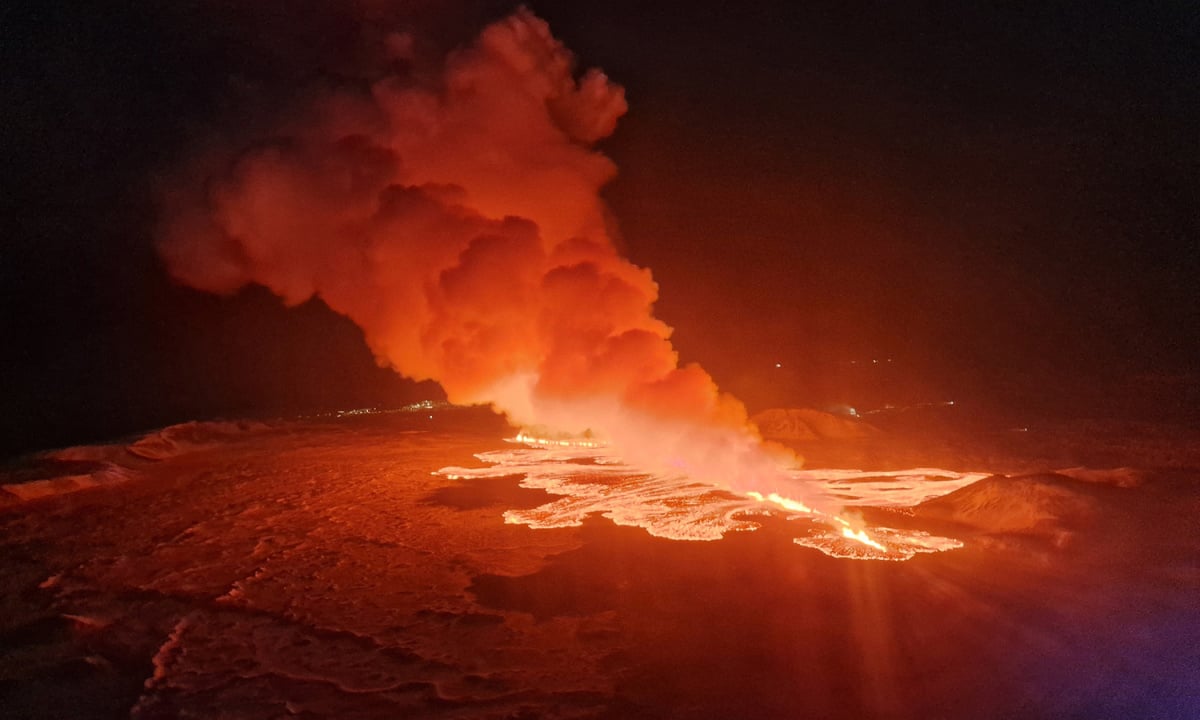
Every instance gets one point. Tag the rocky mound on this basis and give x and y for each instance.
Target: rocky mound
(52, 477)
(1036, 504)
(69, 470)
(1125, 477)
(805, 424)
(190, 436)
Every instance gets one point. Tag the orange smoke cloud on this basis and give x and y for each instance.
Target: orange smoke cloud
(455, 216)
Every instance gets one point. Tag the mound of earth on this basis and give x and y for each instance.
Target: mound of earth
(1036, 504)
(69, 470)
(1125, 477)
(189, 437)
(58, 477)
(803, 424)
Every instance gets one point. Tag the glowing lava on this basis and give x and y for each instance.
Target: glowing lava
(562, 442)
(848, 532)
(860, 536)
(586, 476)
(797, 506)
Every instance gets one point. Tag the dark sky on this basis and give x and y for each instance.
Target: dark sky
(1002, 202)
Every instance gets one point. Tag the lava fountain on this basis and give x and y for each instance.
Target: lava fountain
(450, 207)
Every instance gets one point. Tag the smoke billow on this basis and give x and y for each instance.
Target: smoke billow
(453, 212)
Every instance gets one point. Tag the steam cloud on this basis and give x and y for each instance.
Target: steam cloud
(455, 216)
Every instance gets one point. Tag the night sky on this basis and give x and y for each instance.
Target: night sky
(999, 206)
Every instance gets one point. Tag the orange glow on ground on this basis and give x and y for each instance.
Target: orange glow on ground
(587, 476)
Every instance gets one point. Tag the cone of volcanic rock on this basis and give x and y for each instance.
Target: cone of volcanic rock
(805, 424)
(1031, 504)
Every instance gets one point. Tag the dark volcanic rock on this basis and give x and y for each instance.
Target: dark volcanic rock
(805, 424)
(1039, 504)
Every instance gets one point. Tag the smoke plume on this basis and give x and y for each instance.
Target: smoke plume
(453, 212)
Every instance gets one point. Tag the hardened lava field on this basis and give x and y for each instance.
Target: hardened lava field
(322, 569)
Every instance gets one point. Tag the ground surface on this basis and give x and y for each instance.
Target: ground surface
(318, 569)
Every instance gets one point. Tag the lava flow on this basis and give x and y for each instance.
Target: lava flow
(589, 476)
(847, 530)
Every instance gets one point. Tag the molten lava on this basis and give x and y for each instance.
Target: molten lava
(588, 476)
(860, 536)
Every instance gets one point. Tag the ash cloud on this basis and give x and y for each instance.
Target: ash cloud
(451, 208)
